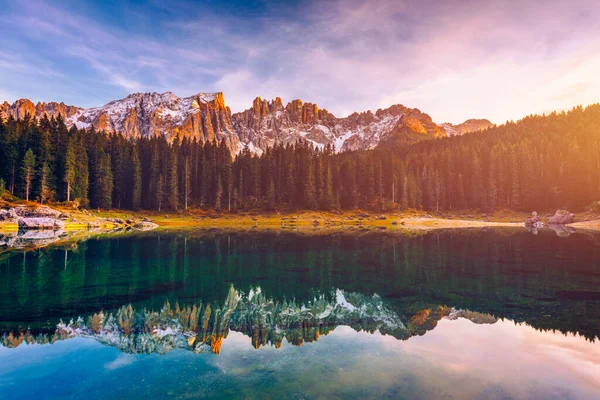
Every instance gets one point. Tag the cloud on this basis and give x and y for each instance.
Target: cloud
(121, 361)
(452, 59)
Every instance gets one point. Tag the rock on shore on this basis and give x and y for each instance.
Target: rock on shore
(562, 217)
(41, 223)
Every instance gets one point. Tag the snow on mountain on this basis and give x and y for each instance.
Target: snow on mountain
(205, 117)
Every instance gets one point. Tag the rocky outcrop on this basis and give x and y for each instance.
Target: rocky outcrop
(470, 125)
(561, 217)
(205, 117)
(269, 123)
(41, 223)
(23, 107)
(37, 217)
(9, 215)
(36, 212)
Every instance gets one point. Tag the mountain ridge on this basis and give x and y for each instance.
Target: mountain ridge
(206, 117)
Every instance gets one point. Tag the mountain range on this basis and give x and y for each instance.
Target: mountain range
(205, 117)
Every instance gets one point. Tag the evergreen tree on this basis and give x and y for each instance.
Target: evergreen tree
(28, 171)
(136, 188)
(310, 196)
(173, 191)
(187, 189)
(46, 187)
(70, 167)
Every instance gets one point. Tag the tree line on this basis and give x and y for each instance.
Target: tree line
(539, 162)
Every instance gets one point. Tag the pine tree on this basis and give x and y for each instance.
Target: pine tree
(46, 189)
(104, 182)
(310, 196)
(173, 191)
(160, 192)
(219, 194)
(80, 186)
(271, 193)
(186, 182)
(70, 167)
(328, 198)
(515, 198)
(136, 168)
(28, 171)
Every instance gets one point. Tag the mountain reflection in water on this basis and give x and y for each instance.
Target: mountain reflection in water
(202, 327)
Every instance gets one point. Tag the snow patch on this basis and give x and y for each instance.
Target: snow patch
(341, 300)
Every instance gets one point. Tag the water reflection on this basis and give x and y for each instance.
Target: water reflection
(342, 316)
(202, 327)
(547, 281)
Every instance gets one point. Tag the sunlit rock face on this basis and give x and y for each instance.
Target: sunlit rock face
(205, 117)
(269, 123)
(23, 107)
(470, 125)
(202, 327)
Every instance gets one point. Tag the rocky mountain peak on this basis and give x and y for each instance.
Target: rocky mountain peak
(206, 117)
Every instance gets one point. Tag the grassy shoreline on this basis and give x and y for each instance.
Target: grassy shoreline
(355, 219)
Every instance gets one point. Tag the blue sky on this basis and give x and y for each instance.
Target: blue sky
(452, 59)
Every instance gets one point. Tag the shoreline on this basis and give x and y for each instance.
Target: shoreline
(82, 220)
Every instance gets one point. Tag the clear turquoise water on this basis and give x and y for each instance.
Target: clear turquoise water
(486, 314)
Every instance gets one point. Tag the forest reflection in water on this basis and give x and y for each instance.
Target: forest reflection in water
(547, 281)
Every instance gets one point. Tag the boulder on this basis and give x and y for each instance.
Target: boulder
(8, 215)
(561, 217)
(116, 221)
(41, 223)
(36, 212)
(534, 221)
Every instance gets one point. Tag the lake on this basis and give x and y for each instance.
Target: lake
(465, 314)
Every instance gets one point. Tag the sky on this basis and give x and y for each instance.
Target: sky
(453, 59)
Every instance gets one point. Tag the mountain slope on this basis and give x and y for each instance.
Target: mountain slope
(205, 117)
